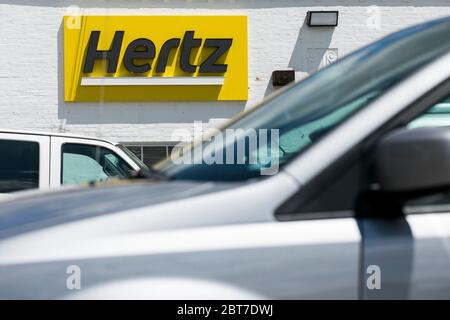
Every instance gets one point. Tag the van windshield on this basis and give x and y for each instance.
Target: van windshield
(298, 117)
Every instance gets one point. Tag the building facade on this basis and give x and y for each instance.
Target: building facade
(32, 61)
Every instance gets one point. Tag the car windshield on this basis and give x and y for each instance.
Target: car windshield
(296, 119)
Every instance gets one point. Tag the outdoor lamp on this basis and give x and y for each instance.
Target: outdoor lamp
(322, 18)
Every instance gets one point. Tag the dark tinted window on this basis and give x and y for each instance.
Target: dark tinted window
(19, 165)
(150, 155)
(154, 154)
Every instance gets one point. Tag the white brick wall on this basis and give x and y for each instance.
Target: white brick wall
(31, 75)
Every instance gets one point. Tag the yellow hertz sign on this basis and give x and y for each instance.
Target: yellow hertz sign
(155, 58)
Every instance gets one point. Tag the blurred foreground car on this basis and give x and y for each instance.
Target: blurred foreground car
(44, 160)
(359, 208)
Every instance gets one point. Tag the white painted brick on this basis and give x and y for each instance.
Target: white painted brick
(31, 59)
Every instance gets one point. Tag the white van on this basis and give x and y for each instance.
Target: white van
(45, 160)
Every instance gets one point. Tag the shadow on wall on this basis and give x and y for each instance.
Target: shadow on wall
(137, 112)
(311, 49)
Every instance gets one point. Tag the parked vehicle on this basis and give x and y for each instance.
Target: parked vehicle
(44, 160)
(359, 208)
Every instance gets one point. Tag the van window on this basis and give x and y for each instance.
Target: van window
(82, 163)
(19, 165)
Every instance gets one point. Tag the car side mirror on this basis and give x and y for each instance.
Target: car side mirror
(409, 163)
(414, 160)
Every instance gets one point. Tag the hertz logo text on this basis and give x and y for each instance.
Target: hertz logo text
(156, 58)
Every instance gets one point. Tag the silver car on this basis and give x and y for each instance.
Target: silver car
(348, 198)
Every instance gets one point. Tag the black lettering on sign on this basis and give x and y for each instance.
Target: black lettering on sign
(210, 65)
(112, 55)
(164, 54)
(144, 49)
(189, 42)
(132, 53)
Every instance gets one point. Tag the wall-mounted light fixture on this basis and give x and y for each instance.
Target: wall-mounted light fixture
(322, 18)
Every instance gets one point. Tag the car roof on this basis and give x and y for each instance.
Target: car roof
(55, 134)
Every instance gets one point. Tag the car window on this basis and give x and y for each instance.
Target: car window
(343, 187)
(310, 109)
(437, 116)
(87, 163)
(19, 165)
